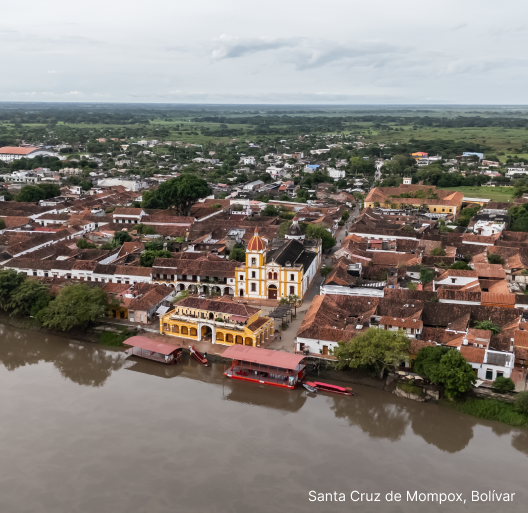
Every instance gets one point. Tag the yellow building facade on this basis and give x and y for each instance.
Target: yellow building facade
(218, 322)
(289, 270)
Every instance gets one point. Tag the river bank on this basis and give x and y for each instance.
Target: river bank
(482, 404)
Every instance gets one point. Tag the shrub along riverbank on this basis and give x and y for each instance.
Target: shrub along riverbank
(489, 409)
(113, 338)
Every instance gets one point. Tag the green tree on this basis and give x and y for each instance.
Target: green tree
(120, 238)
(426, 276)
(520, 225)
(269, 211)
(373, 350)
(438, 251)
(84, 244)
(9, 281)
(446, 367)
(461, 265)
(502, 384)
(155, 245)
(75, 305)
(345, 216)
(495, 259)
(145, 229)
(314, 231)
(147, 258)
(290, 300)
(326, 270)
(2, 224)
(488, 325)
(180, 193)
(427, 359)
(238, 253)
(30, 194)
(29, 298)
(51, 190)
(521, 402)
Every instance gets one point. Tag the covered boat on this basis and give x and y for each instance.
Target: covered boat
(150, 349)
(275, 368)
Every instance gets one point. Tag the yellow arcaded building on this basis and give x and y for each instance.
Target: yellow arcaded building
(221, 322)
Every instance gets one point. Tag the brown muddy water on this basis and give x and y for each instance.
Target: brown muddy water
(84, 430)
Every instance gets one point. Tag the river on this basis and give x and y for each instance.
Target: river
(84, 430)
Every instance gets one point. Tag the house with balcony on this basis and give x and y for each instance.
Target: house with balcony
(196, 273)
(221, 322)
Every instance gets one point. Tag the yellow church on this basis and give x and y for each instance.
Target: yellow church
(279, 268)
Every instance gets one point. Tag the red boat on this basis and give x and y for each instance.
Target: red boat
(326, 387)
(199, 357)
(265, 366)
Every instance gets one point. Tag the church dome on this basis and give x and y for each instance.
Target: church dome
(256, 243)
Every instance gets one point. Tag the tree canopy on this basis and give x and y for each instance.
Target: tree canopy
(34, 193)
(84, 244)
(502, 384)
(488, 325)
(238, 253)
(9, 281)
(270, 211)
(76, 305)
(180, 193)
(446, 367)
(314, 231)
(375, 350)
(29, 298)
(426, 276)
(461, 265)
(120, 238)
(147, 258)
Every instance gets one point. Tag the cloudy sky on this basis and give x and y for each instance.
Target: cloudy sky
(276, 51)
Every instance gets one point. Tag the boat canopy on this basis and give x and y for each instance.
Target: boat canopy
(151, 345)
(263, 356)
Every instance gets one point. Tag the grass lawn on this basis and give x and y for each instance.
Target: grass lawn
(500, 139)
(501, 194)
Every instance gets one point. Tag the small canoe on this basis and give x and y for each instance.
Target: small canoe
(199, 357)
(310, 388)
(334, 389)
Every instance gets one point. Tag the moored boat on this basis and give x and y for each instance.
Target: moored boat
(149, 349)
(326, 387)
(265, 366)
(310, 388)
(199, 357)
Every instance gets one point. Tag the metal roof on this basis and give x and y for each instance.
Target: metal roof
(150, 345)
(263, 356)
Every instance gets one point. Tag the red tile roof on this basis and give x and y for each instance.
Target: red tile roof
(473, 354)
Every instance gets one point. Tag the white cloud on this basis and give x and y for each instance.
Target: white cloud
(306, 53)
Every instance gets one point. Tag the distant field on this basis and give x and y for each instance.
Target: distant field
(501, 139)
(501, 194)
